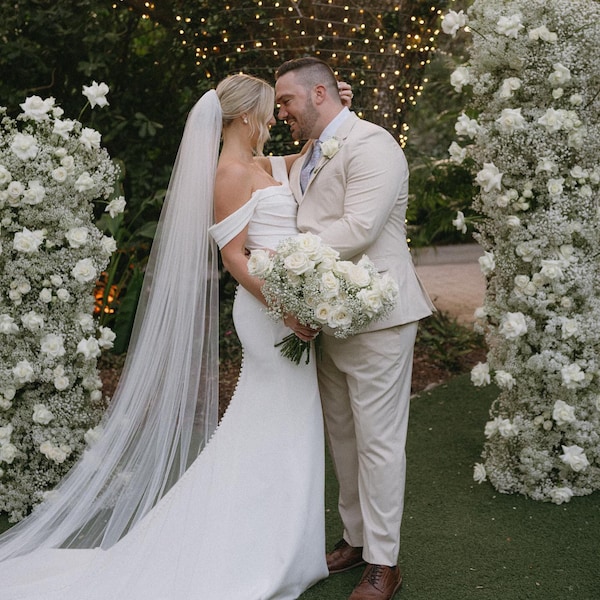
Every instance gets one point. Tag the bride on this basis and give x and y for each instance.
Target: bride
(142, 515)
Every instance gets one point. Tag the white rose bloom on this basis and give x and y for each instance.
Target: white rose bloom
(480, 374)
(526, 251)
(28, 241)
(36, 109)
(552, 120)
(459, 222)
(339, 317)
(576, 138)
(555, 187)
(510, 26)
(32, 321)
(545, 165)
(84, 271)
(507, 429)
(63, 295)
(41, 414)
(8, 325)
(388, 287)
(15, 190)
(96, 396)
(45, 295)
(109, 244)
(358, 275)
(466, 126)
(543, 33)
(509, 87)
(8, 453)
(575, 457)
(576, 99)
(513, 221)
(513, 325)
(68, 162)
(84, 182)
(510, 120)
(504, 380)
(489, 178)
(5, 176)
(24, 146)
(479, 474)
(459, 78)
(521, 281)
(34, 194)
(52, 345)
(572, 375)
(90, 138)
(487, 263)
(5, 433)
(77, 237)
(330, 147)
(569, 327)
(560, 495)
(115, 207)
(60, 174)
(96, 94)
(557, 93)
(563, 413)
(260, 263)
(371, 300)
(322, 312)
(457, 153)
(55, 453)
(329, 285)
(551, 269)
(90, 348)
(86, 322)
(61, 382)
(560, 75)
(309, 244)
(298, 263)
(23, 371)
(453, 21)
(107, 337)
(63, 128)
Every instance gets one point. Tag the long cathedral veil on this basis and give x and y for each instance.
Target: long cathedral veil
(165, 407)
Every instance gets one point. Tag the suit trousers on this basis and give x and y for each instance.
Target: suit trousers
(365, 383)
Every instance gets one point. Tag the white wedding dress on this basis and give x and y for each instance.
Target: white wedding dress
(246, 521)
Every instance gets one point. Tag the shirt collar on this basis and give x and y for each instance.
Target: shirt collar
(334, 125)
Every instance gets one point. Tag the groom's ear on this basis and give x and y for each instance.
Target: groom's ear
(320, 93)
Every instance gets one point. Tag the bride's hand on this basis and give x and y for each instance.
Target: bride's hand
(345, 91)
(304, 332)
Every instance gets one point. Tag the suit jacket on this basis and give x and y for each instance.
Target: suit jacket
(356, 202)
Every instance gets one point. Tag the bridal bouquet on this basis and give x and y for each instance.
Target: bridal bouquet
(306, 278)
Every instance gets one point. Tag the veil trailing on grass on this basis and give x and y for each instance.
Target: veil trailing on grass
(166, 404)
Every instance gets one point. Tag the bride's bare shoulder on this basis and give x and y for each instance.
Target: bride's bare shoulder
(233, 188)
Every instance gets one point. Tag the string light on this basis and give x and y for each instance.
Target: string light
(381, 51)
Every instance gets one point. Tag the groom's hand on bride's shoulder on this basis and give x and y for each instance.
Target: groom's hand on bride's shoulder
(345, 91)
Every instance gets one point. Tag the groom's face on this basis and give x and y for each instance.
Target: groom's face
(296, 107)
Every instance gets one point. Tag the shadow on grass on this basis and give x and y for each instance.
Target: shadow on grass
(462, 540)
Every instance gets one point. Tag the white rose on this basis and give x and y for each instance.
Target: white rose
(8, 325)
(479, 474)
(330, 147)
(107, 337)
(45, 295)
(84, 271)
(115, 207)
(90, 348)
(459, 222)
(60, 174)
(509, 26)
(557, 93)
(563, 413)
(34, 194)
(542, 33)
(24, 146)
(572, 375)
(90, 138)
(36, 109)
(509, 87)
(457, 153)
(53, 345)
(32, 321)
(109, 244)
(504, 380)
(555, 187)
(310, 244)
(68, 162)
(507, 429)
(8, 453)
(513, 221)
(55, 453)
(5, 433)
(576, 99)
(5, 176)
(575, 457)
(61, 382)
(560, 495)
(41, 414)
(510, 120)
(569, 327)
(487, 263)
(560, 75)
(84, 182)
(77, 237)
(322, 312)
(28, 241)
(489, 178)
(329, 285)
(551, 269)
(23, 371)
(545, 165)
(340, 317)
(388, 287)
(358, 275)
(466, 126)
(298, 263)
(96, 94)
(63, 128)
(15, 190)
(63, 295)
(552, 120)
(96, 396)
(371, 300)
(513, 325)
(527, 251)
(480, 374)
(453, 21)
(86, 322)
(459, 78)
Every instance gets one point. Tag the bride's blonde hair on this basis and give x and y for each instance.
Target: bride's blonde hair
(244, 94)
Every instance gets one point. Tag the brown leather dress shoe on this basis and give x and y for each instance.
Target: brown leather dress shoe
(378, 583)
(344, 557)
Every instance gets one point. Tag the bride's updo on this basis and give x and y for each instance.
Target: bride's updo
(244, 94)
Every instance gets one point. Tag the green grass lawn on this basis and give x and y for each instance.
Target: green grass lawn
(462, 540)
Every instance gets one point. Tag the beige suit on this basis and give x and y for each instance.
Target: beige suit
(356, 202)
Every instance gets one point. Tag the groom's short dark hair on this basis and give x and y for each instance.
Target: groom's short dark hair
(313, 71)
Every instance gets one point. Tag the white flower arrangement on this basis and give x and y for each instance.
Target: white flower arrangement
(305, 277)
(52, 171)
(532, 136)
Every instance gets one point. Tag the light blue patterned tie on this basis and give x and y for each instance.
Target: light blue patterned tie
(310, 165)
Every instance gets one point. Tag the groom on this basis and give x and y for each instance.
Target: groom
(352, 189)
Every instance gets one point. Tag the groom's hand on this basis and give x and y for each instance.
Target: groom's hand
(304, 332)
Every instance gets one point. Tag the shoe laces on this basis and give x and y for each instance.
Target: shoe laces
(373, 575)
